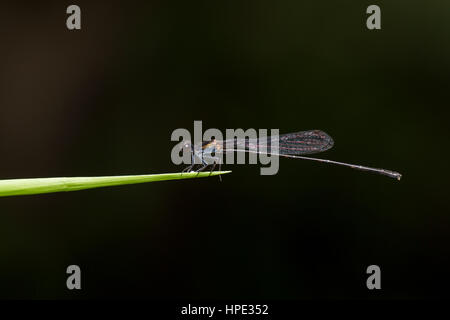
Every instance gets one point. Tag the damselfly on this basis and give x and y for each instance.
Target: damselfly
(291, 145)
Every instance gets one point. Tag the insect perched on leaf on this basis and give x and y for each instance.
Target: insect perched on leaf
(290, 145)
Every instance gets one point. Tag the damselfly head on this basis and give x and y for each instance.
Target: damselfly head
(185, 145)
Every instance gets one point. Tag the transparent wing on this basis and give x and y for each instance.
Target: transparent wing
(305, 142)
(297, 143)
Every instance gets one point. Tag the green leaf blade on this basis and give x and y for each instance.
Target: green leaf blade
(19, 187)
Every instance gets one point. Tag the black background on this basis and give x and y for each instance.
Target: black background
(104, 101)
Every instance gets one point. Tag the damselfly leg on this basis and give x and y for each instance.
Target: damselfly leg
(189, 169)
(215, 162)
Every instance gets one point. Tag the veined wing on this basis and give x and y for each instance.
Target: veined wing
(297, 143)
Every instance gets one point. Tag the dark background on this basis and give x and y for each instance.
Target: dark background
(104, 101)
